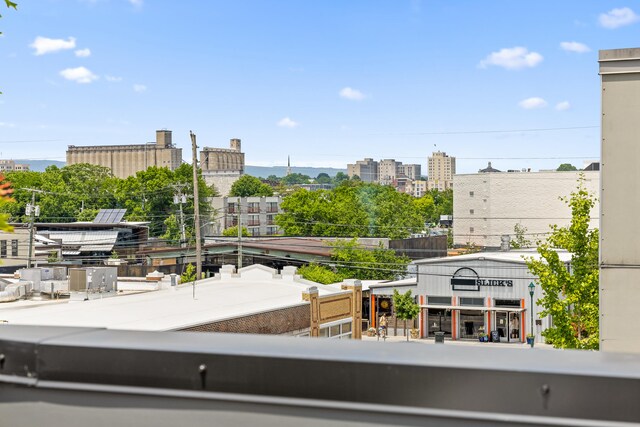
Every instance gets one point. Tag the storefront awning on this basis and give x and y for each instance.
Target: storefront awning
(472, 307)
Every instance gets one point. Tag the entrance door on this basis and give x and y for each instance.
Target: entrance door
(502, 325)
(514, 326)
(439, 320)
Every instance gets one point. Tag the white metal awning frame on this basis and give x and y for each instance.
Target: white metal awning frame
(472, 307)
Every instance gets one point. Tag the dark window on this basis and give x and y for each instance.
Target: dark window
(439, 300)
(3, 248)
(471, 301)
(14, 248)
(507, 303)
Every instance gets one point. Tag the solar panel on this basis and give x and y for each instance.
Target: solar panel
(109, 216)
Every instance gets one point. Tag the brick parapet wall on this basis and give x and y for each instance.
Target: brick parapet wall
(274, 322)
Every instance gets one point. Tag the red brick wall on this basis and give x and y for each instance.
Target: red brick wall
(271, 322)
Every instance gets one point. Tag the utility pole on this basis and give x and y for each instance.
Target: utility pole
(33, 211)
(239, 225)
(196, 207)
(179, 199)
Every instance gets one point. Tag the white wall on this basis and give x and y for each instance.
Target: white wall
(502, 200)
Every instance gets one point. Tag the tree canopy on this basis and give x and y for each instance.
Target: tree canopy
(248, 186)
(405, 307)
(350, 210)
(77, 192)
(566, 167)
(571, 295)
(353, 261)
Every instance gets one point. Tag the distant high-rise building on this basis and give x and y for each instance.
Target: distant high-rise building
(411, 171)
(441, 169)
(387, 171)
(366, 170)
(221, 167)
(126, 160)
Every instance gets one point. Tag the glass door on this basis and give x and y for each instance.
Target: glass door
(514, 326)
(502, 325)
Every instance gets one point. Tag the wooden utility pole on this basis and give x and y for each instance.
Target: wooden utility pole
(196, 207)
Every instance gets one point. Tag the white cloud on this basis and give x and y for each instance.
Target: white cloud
(139, 88)
(83, 53)
(113, 79)
(44, 45)
(531, 103)
(575, 47)
(7, 125)
(512, 58)
(351, 94)
(136, 3)
(288, 123)
(78, 75)
(616, 18)
(563, 106)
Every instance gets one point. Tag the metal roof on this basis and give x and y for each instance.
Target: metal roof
(87, 241)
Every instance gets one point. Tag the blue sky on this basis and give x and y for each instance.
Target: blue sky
(327, 82)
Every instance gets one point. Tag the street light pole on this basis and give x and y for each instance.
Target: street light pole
(532, 287)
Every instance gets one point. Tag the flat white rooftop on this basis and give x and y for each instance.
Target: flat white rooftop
(254, 289)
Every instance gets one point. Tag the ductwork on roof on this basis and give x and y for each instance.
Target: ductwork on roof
(15, 291)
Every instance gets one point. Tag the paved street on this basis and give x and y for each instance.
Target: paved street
(402, 339)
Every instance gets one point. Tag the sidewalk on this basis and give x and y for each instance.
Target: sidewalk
(463, 343)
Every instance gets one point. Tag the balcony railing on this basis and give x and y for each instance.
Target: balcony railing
(59, 376)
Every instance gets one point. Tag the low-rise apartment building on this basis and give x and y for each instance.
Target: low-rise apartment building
(487, 206)
(257, 214)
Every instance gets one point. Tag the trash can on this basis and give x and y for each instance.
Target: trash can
(439, 337)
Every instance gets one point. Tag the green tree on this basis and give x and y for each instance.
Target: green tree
(189, 274)
(323, 178)
(319, 274)
(566, 167)
(354, 261)
(340, 177)
(247, 186)
(233, 232)
(405, 308)
(354, 210)
(520, 241)
(571, 295)
(295, 179)
(173, 233)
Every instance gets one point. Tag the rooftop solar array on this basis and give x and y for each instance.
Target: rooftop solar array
(109, 216)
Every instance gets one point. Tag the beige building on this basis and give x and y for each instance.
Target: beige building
(620, 201)
(221, 167)
(11, 166)
(487, 206)
(257, 214)
(441, 169)
(126, 160)
(366, 170)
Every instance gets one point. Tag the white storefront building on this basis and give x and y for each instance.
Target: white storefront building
(485, 292)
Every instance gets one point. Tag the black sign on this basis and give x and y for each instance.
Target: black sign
(492, 282)
(466, 279)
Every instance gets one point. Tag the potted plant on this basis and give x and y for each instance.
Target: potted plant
(482, 337)
(531, 339)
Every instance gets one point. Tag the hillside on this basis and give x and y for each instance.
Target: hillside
(259, 171)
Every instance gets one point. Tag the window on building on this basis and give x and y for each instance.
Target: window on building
(254, 231)
(479, 302)
(439, 300)
(471, 193)
(254, 220)
(253, 207)
(231, 208)
(471, 230)
(3, 248)
(272, 206)
(507, 303)
(336, 330)
(471, 211)
(14, 248)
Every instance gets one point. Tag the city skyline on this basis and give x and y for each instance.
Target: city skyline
(327, 84)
